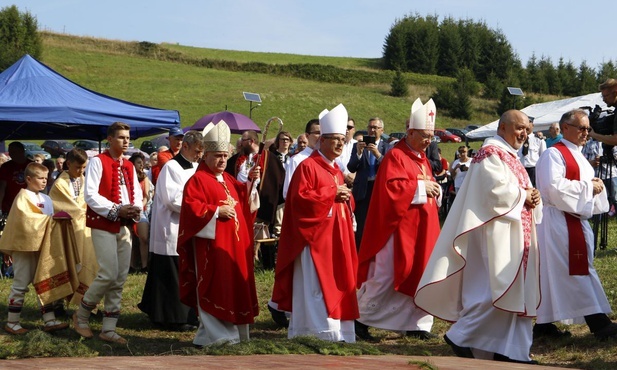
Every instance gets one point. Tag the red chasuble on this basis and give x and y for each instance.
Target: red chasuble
(415, 226)
(223, 283)
(314, 219)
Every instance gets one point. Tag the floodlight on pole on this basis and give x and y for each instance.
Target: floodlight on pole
(252, 98)
(515, 91)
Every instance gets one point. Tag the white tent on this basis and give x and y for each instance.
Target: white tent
(545, 113)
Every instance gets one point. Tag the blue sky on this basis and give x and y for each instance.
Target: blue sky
(574, 30)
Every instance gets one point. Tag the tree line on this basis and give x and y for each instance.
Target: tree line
(473, 53)
(18, 36)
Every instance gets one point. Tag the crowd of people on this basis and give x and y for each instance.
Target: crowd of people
(360, 243)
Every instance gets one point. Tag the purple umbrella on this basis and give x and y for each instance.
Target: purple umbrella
(238, 123)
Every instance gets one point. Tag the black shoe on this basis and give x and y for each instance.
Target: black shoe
(420, 334)
(185, 327)
(279, 317)
(502, 358)
(609, 331)
(362, 332)
(459, 351)
(59, 311)
(549, 330)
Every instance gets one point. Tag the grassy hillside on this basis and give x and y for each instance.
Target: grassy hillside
(117, 69)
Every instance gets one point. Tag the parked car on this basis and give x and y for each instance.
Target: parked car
(57, 147)
(86, 144)
(148, 146)
(131, 149)
(460, 132)
(398, 135)
(32, 149)
(446, 136)
(152, 145)
(471, 127)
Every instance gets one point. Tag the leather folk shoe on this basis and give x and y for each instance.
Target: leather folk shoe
(15, 329)
(83, 331)
(54, 325)
(112, 337)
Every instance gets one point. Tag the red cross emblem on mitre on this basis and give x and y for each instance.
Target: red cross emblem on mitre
(422, 116)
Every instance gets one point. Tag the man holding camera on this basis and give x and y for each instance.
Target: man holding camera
(609, 95)
(365, 158)
(608, 137)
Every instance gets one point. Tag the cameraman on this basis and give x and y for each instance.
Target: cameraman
(609, 95)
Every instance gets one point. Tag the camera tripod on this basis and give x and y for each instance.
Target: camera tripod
(605, 172)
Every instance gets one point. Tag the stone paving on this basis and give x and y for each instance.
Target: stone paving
(270, 362)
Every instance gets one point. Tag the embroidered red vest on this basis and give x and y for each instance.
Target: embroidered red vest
(109, 187)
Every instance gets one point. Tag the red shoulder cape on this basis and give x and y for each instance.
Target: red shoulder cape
(217, 273)
(331, 239)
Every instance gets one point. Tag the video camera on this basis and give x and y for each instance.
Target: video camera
(601, 124)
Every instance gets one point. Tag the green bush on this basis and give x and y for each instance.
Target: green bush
(399, 85)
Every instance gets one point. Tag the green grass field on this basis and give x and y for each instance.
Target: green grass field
(581, 351)
(112, 68)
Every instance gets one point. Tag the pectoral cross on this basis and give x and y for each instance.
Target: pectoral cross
(230, 201)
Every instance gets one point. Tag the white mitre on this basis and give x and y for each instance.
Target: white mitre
(422, 116)
(216, 137)
(334, 121)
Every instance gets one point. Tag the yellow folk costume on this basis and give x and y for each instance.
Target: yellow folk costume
(28, 229)
(84, 263)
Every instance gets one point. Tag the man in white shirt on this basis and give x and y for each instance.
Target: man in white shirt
(312, 133)
(343, 159)
(114, 200)
(531, 151)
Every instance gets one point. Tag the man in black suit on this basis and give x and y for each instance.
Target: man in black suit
(364, 162)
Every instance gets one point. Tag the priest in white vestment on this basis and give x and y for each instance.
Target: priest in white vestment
(483, 272)
(571, 195)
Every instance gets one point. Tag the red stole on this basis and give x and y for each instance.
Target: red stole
(577, 252)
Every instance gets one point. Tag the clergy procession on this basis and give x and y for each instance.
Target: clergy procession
(360, 243)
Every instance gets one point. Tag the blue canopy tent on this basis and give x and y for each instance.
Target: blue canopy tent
(36, 102)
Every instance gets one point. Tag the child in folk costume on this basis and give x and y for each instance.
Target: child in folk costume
(67, 194)
(37, 251)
